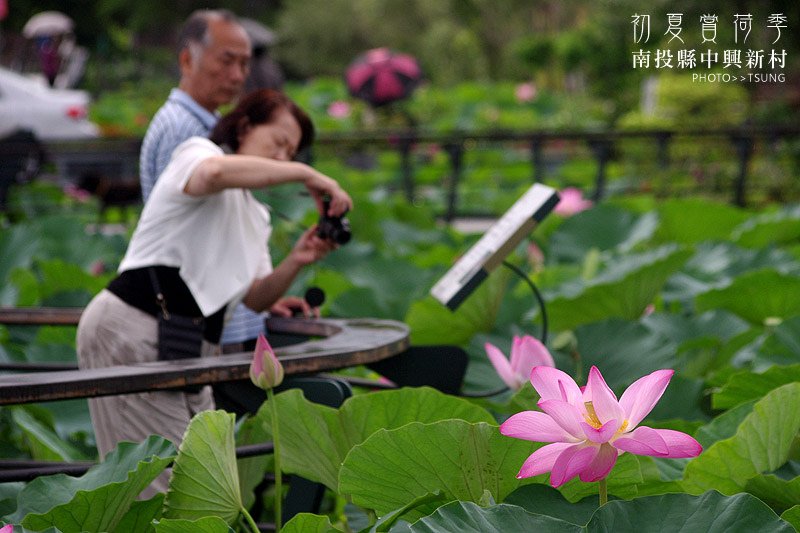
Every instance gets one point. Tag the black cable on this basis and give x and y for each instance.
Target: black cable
(518, 271)
(538, 295)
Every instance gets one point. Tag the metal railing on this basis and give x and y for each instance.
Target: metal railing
(118, 157)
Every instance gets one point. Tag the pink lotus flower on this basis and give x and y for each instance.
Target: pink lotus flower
(526, 353)
(525, 92)
(339, 109)
(571, 202)
(7, 529)
(589, 428)
(266, 371)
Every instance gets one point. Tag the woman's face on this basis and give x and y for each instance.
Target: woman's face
(278, 139)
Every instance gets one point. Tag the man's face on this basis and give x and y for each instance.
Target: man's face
(214, 74)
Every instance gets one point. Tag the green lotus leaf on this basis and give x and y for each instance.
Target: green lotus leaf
(315, 438)
(98, 500)
(463, 460)
(205, 480)
(762, 443)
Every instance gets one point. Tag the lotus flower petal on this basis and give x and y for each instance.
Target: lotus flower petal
(639, 399)
(503, 367)
(601, 465)
(565, 415)
(572, 462)
(528, 352)
(554, 384)
(643, 441)
(603, 399)
(541, 461)
(535, 426)
(680, 444)
(603, 433)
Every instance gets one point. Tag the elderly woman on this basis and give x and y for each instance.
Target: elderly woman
(201, 241)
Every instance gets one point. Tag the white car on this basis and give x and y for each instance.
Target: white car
(50, 114)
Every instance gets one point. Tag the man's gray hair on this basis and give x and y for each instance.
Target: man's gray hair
(194, 34)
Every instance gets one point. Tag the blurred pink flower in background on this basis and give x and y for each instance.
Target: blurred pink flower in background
(76, 193)
(589, 428)
(339, 109)
(572, 202)
(526, 353)
(525, 92)
(97, 268)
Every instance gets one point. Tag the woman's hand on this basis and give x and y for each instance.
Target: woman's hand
(290, 306)
(310, 248)
(320, 186)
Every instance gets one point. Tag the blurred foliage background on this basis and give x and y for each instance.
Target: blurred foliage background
(578, 50)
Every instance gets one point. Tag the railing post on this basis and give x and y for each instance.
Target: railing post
(602, 149)
(406, 169)
(744, 145)
(662, 142)
(536, 159)
(456, 151)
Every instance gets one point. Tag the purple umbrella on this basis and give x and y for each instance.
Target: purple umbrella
(380, 76)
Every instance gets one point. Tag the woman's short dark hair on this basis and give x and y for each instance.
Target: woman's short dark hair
(256, 108)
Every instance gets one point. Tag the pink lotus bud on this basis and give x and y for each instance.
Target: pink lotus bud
(266, 371)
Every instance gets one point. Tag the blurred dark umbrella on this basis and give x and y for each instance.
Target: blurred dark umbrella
(380, 76)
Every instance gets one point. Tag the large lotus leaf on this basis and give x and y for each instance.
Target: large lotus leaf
(141, 514)
(543, 499)
(42, 440)
(309, 523)
(715, 265)
(756, 296)
(468, 517)
(759, 231)
(709, 512)
(689, 221)
(251, 469)
(604, 227)
(459, 458)
(98, 500)
(58, 276)
(623, 351)
(780, 494)
(8, 497)
(433, 323)
(723, 426)
(792, 516)
(18, 247)
(781, 346)
(393, 283)
(681, 328)
(207, 524)
(624, 290)
(205, 481)
(761, 444)
(315, 438)
(745, 386)
(66, 238)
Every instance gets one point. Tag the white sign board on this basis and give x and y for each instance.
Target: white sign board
(493, 247)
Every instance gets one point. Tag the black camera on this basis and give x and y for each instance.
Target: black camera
(336, 229)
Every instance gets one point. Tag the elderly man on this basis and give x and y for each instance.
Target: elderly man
(214, 59)
(214, 55)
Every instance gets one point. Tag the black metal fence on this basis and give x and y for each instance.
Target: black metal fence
(117, 159)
